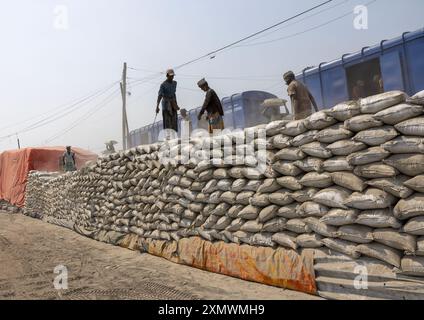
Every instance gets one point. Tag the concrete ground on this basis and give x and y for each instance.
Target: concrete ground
(30, 250)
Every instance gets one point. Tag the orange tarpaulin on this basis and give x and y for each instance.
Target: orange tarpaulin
(16, 164)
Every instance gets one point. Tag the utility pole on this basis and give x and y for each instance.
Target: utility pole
(19, 143)
(125, 129)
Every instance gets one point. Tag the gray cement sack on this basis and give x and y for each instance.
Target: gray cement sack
(316, 149)
(371, 199)
(340, 217)
(345, 247)
(413, 266)
(415, 226)
(409, 164)
(312, 209)
(333, 134)
(375, 171)
(404, 144)
(304, 138)
(294, 128)
(285, 239)
(304, 195)
(310, 164)
(348, 180)
(297, 226)
(275, 225)
(377, 103)
(345, 147)
(290, 154)
(395, 186)
(321, 228)
(355, 233)
(399, 113)
(381, 252)
(289, 211)
(316, 180)
(412, 127)
(310, 241)
(380, 218)
(374, 154)
(337, 164)
(290, 183)
(319, 120)
(396, 240)
(416, 183)
(362, 122)
(376, 136)
(410, 207)
(281, 141)
(286, 168)
(344, 111)
(268, 213)
(334, 197)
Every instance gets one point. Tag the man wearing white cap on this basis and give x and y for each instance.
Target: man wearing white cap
(167, 94)
(213, 106)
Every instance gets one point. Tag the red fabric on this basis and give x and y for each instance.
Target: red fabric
(16, 164)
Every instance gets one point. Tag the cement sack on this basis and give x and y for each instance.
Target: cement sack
(312, 209)
(274, 127)
(319, 120)
(380, 218)
(420, 246)
(316, 180)
(268, 186)
(413, 266)
(416, 183)
(235, 210)
(236, 172)
(244, 237)
(305, 138)
(403, 144)
(224, 184)
(377, 103)
(395, 186)
(235, 225)
(252, 226)
(362, 122)
(371, 199)
(396, 240)
(268, 213)
(381, 252)
(376, 136)
(412, 127)
(289, 211)
(281, 198)
(415, 226)
(333, 197)
(337, 164)
(291, 154)
(409, 164)
(374, 154)
(286, 168)
(340, 217)
(410, 207)
(355, 233)
(281, 141)
(229, 197)
(238, 185)
(223, 223)
(249, 213)
(375, 171)
(345, 147)
(342, 246)
(321, 228)
(304, 195)
(275, 225)
(285, 239)
(294, 128)
(260, 200)
(344, 111)
(263, 240)
(333, 134)
(269, 172)
(206, 175)
(253, 174)
(206, 234)
(252, 185)
(418, 95)
(316, 149)
(399, 113)
(348, 180)
(310, 164)
(207, 210)
(290, 183)
(309, 241)
(220, 174)
(221, 209)
(209, 223)
(297, 226)
(215, 197)
(230, 236)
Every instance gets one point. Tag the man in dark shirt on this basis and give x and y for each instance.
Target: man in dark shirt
(301, 99)
(213, 106)
(167, 94)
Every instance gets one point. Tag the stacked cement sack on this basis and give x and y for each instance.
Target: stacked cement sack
(6, 206)
(350, 179)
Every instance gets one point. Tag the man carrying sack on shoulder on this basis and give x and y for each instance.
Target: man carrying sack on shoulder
(213, 106)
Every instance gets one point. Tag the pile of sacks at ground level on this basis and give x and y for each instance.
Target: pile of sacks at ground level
(349, 178)
(6, 206)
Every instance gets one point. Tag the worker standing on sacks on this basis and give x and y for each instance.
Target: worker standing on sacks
(213, 106)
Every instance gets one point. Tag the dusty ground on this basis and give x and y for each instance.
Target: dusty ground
(30, 250)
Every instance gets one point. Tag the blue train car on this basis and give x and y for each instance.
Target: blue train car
(396, 64)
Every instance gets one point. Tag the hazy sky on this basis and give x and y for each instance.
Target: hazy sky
(56, 52)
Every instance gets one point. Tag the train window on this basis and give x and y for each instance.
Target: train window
(228, 116)
(364, 79)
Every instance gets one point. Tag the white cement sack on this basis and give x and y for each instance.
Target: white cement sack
(416, 183)
(333, 134)
(224, 184)
(371, 199)
(409, 164)
(374, 154)
(340, 217)
(376, 136)
(289, 211)
(345, 147)
(281, 198)
(403, 144)
(337, 164)
(333, 197)
(304, 195)
(275, 225)
(344, 111)
(345, 247)
(362, 122)
(380, 218)
(310, 164)
(415, 226)
(274, 127)
(412, 127)
(290, 183)
(355, 233)
(319, 120)
(413, 266)
(291, 154)
(395, 239)
(281, 141)
(410, 207)
(375, 171)
(286, 168)
(348, 180)
(236, 172)
(285, 239)
(312, 209)
(377, 103)
(238, 185)
(310, 241)
(321, 228)
(253, 174)
(418, 95)
(381, 252)
(395, 186)
(297, 226)
(317, 180)
(399, 113)
(316, 149)
(304, 138)
(294, 128)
